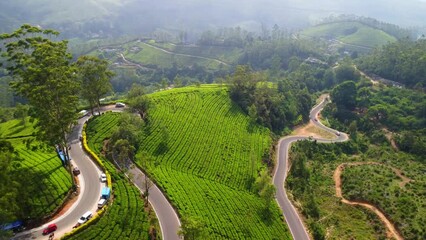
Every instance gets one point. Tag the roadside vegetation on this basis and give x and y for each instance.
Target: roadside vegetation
(403, 61)
(385, 126)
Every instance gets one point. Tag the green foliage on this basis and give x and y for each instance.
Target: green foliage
(33, 179)
(265, 54)
(403, 61)
(275, 108)
(346, 72)
(382, 113)
(379, 184)
(192, 228)
(312, 186)
(43, 74)
(138, 101)
(94, 79)
(344, 95)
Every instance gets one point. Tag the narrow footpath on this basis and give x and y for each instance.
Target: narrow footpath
(392, 232)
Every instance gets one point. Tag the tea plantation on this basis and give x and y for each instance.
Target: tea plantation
(204, 152)
(44, 182)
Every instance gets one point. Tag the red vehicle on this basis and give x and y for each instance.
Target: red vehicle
(50, 228)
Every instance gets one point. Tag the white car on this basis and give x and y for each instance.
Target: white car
(103, 177)
(120, 105)
(85, 217)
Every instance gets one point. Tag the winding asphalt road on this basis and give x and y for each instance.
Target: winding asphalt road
(292, 218)
(90, 189)
(89, 184)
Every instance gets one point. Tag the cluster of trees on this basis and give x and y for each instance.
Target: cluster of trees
(270, 54)
(363, 108)
(227, 37)
(273, 107)
(299, 181)
(156, 77)
(403, 61)
(44, 75)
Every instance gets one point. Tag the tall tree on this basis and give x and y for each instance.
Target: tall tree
(43, 74)
(95, 79)
(344, 95)
(138, 101)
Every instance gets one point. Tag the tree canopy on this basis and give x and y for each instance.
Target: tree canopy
(94, 79)
(43, 74)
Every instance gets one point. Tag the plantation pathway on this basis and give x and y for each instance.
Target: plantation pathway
(322, 134)
(391, 230)
(186, 55)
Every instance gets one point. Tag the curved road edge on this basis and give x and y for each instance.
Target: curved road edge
(294, 222)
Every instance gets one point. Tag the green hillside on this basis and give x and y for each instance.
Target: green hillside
(353, 33)
(39, 164)
(205, 154)
(205, 165)
(164, 56)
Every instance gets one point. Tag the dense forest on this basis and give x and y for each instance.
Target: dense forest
(403, 61)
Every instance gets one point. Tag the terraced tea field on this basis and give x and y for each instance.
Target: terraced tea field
(45, 180)
(204, 153)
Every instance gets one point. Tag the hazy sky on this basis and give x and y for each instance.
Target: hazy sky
(147, 15)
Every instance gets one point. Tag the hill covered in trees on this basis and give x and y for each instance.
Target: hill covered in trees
(403, 61)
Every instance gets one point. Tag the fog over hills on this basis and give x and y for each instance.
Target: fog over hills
(85, 18)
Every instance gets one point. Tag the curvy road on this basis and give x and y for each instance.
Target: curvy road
(90, 189)
(292, 218)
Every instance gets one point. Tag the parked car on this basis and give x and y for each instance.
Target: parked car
(50, 228)
(103, 177)
(338, 133)
(102, 203)
(76, 171)
(120, 105)
(88, 215)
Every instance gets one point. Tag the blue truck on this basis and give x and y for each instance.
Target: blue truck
(105, 193)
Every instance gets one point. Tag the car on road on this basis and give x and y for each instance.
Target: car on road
(103, 177)
(76, 171)
(88, 215)
(120, 105)
(50, 228)
(102, 203)
(338, 133)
